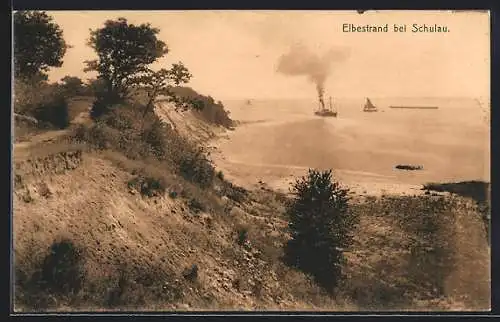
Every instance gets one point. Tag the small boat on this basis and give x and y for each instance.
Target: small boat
(369, 107)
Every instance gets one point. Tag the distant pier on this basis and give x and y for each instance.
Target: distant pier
(417, 107)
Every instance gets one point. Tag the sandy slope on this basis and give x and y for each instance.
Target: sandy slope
(93, 205)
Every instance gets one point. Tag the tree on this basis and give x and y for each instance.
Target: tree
(72, 85)
(320, 226)
(95, 86)
(38, 44)
(52, 107)
(124, 50)
(157, 83)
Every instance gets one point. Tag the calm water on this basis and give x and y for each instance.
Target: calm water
(452, 143)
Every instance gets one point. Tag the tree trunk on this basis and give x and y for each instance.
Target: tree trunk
(152, 98)
(150, 105)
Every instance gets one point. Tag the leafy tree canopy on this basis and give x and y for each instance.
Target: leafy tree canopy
(38, 44)
(72, 81)
(124, 50)
(72, 85)
(159, 82)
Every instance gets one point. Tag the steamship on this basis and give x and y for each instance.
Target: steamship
(326, 112)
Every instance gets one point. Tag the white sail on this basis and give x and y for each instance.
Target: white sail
(369, 107)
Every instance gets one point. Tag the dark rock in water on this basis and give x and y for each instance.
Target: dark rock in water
(409, 167)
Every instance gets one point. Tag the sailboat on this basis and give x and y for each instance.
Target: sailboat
(328, 112)
(369, 107)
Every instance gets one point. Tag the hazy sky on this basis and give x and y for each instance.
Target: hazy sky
(234, 54)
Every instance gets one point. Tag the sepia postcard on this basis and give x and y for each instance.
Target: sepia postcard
(264, 161)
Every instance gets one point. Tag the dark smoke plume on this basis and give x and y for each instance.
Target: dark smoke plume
(300, 61)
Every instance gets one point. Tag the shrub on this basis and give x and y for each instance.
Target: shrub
(124, 128)
(233, 192)
(45, 102)
(62, 269)
(155, 137)
(242, 235)
(120, 117)
(119, 130)
(72, 86)
(195, 205)
(104, 101)
(148, 186)
(98, 107)
(95, 87)
(133, 285)
(191, 274)
(214, 113)
(115, 297)
(98, 135)
(195, 167)
(43, 190)
(320, 225)
(53, 111)
(24, 96)
(204, 107)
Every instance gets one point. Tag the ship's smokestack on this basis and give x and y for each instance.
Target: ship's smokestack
(321, 96)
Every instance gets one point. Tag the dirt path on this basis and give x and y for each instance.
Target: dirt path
(51, 136)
